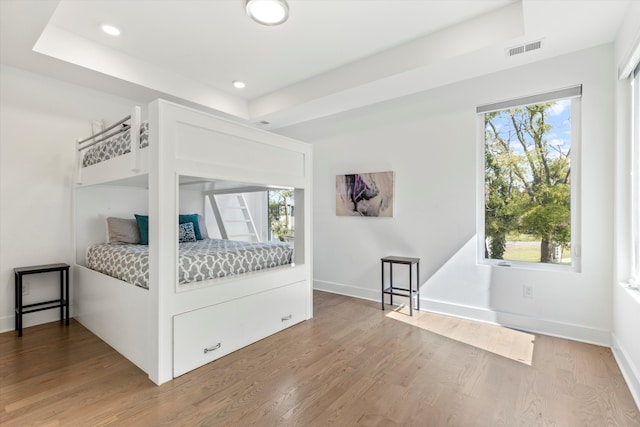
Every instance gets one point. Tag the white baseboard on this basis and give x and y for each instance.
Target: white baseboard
(630, 371)
(516, 321)
(8, 323)
(350, 291)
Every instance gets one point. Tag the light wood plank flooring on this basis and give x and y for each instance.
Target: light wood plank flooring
(351, 365)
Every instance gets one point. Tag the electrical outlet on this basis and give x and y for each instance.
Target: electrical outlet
(25, 288)
(527, 291)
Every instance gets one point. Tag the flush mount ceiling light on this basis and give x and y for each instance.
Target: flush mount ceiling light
(111, 30)
(238, 84)
(268, 12)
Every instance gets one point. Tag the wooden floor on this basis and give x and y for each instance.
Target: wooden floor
(351, 365)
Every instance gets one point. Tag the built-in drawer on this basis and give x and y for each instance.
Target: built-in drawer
(203, 335)
(269, 312)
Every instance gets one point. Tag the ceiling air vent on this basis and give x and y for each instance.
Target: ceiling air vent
(533, 46)
(517, 50)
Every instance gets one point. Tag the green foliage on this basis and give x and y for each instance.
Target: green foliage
(528, 253)
(504, 199)
(279, 213)
(280, 230)
(551, 218)
(527, 180)
(274, 210)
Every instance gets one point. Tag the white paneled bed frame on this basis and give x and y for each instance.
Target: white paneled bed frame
(171, 329)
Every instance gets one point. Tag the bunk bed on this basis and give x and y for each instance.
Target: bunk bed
(173, 324)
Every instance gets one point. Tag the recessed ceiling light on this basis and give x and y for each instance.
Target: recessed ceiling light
(238, 84)
(268, 12)
(111, 30)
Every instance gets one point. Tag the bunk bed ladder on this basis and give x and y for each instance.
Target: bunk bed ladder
(233, 217)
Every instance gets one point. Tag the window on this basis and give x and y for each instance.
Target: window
(254, 216)
(281, 214)
(635, 174)
(528, 215)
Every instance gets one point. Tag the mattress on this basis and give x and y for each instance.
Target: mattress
(199, 260)
(115, 146)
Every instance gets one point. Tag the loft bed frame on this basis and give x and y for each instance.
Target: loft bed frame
(171, 329)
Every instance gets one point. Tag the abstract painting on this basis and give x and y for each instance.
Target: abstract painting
(365, 194)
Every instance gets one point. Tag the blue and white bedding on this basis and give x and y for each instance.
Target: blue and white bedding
(115, 146)
(199, 260)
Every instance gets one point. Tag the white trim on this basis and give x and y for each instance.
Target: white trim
(634, 167)
(631, 291)
(7, 323)
(554, 95)
(630, 371)
(576, 184)
(480, 194)
(347, 290)
(568, 331)
(631, 60)
(573, 93)
(539, 266)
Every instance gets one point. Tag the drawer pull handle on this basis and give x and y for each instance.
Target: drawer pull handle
(214, 348)
(285, 318)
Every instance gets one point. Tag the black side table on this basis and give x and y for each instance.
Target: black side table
(62, 303)
(409, 292)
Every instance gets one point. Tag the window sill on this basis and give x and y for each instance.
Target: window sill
(560, 268)
(634, 293)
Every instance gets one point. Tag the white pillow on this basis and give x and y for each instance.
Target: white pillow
(203, 227)
(122, 230)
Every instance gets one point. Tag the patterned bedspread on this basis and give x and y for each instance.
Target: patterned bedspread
(200, 260)
(114, 147)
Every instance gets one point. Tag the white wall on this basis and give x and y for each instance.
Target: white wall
(95, 204)
(429, 140)
(39, 120)
(626, 303)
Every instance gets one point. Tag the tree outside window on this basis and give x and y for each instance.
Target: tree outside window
(281, 207)
(527, 183)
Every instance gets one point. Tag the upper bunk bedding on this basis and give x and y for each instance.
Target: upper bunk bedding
(115, 146)
(200, 260)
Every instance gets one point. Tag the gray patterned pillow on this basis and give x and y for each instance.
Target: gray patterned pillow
(186, 232)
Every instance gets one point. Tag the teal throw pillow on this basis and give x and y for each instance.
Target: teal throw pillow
(143, 228)
(192, 218)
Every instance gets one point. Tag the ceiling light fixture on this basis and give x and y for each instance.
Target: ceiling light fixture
(238, 84)
(111, 30)
(268, 12)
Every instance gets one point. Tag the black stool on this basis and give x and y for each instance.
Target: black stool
(63, 302)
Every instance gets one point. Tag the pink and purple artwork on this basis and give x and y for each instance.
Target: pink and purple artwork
(365, 194)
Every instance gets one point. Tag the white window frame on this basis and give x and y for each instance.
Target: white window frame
(634, 274)
(574, 93)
